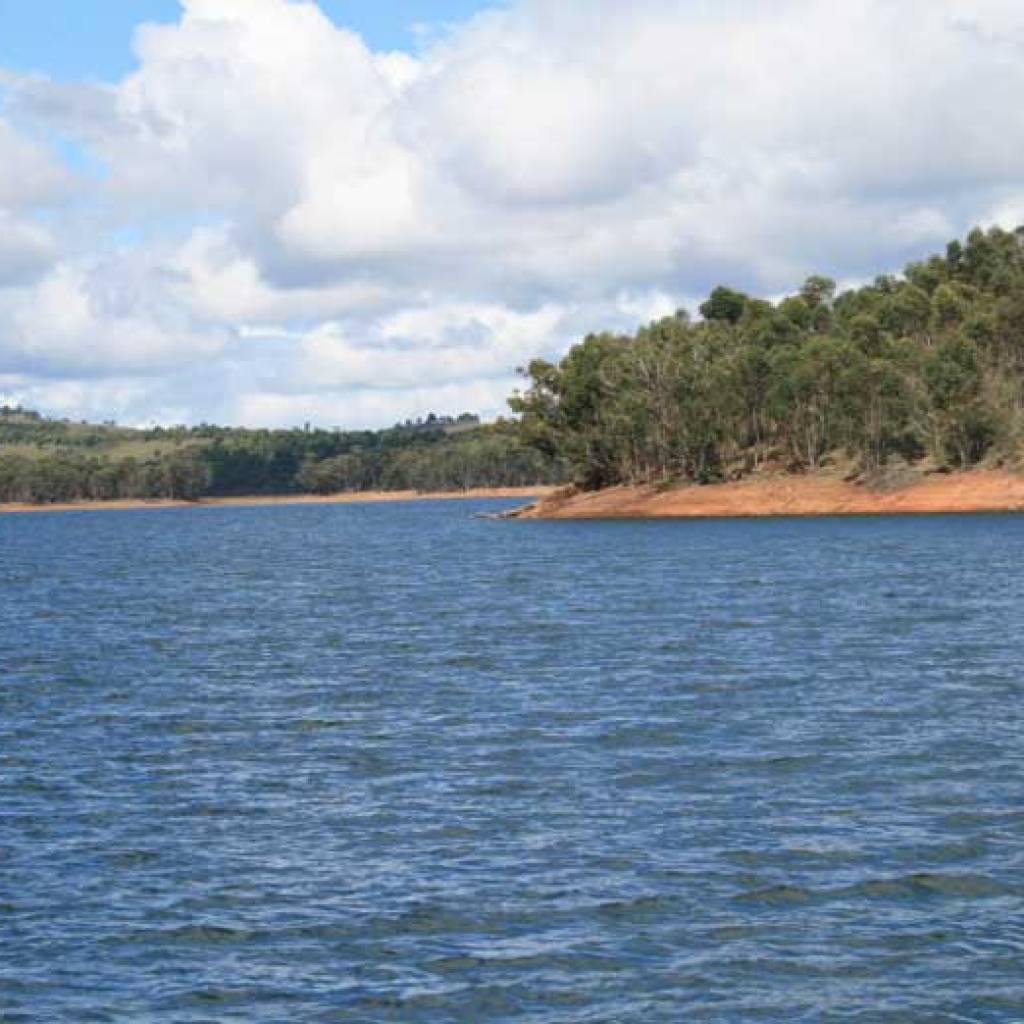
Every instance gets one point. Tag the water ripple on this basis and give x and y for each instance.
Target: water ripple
(340, 763)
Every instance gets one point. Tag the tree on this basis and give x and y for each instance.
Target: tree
(930, 362)
(724, 304)
(962, 426)
(818, 291)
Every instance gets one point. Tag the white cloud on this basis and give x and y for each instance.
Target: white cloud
(26, 250)
(107, 319)
(221, 282)
(30, 180)
(373, 227)
(430, 346)
(29, 175)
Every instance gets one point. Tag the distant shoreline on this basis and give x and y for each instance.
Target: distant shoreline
(816, 494)
(344, 498)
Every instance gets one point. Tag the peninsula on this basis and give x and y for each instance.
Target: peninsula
(902, 395)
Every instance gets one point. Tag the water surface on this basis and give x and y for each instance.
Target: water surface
(392, 763)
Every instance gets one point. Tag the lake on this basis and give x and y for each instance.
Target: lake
(394, 763)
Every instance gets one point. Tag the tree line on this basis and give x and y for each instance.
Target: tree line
(925, 367)
(45, 461)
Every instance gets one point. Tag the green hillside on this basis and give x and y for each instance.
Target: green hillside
(46, 460)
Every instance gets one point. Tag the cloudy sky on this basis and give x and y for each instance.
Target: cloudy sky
(264, 212)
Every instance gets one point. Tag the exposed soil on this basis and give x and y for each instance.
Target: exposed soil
(820, 494)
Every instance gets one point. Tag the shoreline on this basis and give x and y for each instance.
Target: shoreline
(774, 495)
(788, 495)
(247, 501)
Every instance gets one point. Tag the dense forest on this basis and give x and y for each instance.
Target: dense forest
(922, 369)
(46, 460)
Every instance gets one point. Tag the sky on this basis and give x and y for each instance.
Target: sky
(71, 39)
(268, 212)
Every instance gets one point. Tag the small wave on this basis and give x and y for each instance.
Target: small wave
(455, 964)
(566, 962)
(641, 737)
(133, 858)
(779, 895)
(307, 725)
(194, 933)
(924, 883)
(787, 761)
(249, 996)
(641, 906)
(36, 785)
(913, 886)
(215, 995)
(733, 932)
(431, 919)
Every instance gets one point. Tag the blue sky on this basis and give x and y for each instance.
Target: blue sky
(71, 39)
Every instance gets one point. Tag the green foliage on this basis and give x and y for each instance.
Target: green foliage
(45, 461)
(724, 304)
(818, 291)
(930, 364)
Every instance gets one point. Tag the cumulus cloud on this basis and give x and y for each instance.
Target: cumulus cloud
(111, 317)
(26, 250)
(330, 232)
(29, 174)
(30, 179)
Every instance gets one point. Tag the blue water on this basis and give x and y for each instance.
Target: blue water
(392, 763)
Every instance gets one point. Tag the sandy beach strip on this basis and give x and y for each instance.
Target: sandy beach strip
(346, 498)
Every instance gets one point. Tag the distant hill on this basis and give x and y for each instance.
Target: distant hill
(46, 460)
